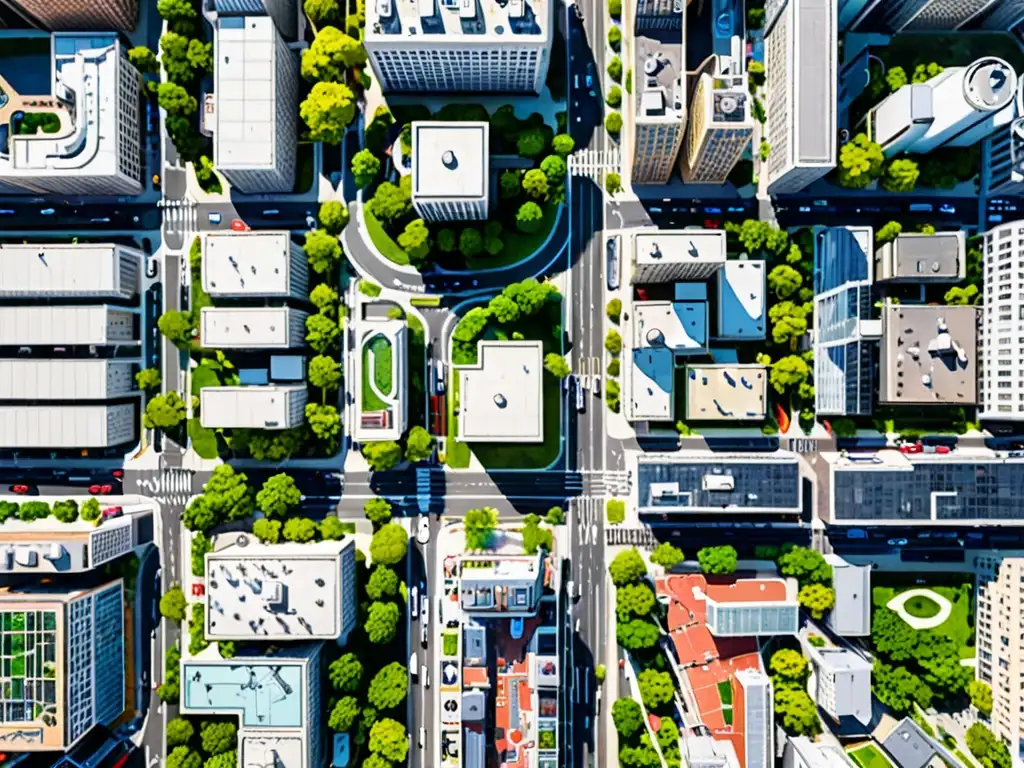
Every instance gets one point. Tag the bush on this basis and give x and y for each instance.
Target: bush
(616, 511)
(614, 37)
(613, 123)
(614, 97)
(615, 69)
(615, 8)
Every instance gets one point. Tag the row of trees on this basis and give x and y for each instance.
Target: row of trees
(795, 711)
(416, 445)
(65, 511)
(516, 305)
(635, 627)
(635, 747)
(861, 162)
(213, 745)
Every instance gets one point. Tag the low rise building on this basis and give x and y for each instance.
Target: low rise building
(383, 404)
(67, 426)
(501, 397)
(679, 326)
(252, 327)
(266, 407)
(450, 170)
(95, 378)
(659, 96)
(919, 258)
(748, 607)
(81, 325)
(842, 683)
(503, 585)
(280, 592)
(928, 355)
(668, 255)
(649, 391)
(64, 663)
(851, 616)
(726, 392)
(69, 271)
(254, 264)
(741, 310)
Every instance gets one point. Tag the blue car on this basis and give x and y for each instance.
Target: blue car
(920, 208)
(947, 208)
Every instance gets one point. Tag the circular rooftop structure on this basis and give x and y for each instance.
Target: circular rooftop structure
(989, 84)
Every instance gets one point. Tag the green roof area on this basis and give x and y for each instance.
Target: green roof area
(869, 756)
(380, 349)
(27, 665)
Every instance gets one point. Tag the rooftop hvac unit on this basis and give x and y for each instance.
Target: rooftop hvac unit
(664, 490)
(26, 557)
(275, 595)
(467, 9)
(718, 483)
(451, 5)
(651, 65)
(385, 8)
(517, 9)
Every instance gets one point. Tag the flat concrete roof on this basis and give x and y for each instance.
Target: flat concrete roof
(726, 392)
(652, 376)
(682, 246)
(458, 22)
(243, 327)
(450, 160)
(256, 263)
(939, 255)
(929, 354)
(66, 269)
(501, 398)
(681, 326)
(658, 74)
(741, 304)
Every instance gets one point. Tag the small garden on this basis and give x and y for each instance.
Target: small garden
(379, 349)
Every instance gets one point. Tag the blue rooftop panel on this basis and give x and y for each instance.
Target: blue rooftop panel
(691, 292)
(267, 695)
(753, 483)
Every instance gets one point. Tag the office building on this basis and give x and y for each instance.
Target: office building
(84, 325)
(801, 752)
(957, 108)
(281, 11)
(1003, 324)
(1000, 616)
(75, 678)
(1002, 173)
(801, 60)
(659, 14)
(69, 271)
(450, 170)
(659, 93)
(928, 355)
(851, 616)
(842, 681)
(917, 258)
(383, 408)
(76, 15)
(460, 45)
(264, 407)
(277, 698)
(748, 607)
(741, 301)
(718, 130)
(649, 385)
(726, 392)
(67, 426)
(95, 92)
(698, 482)
(501, 396)
(503, 585)
(48, 546)
(844, 332)
(256, 91)
(937, 15)
(679, 326)
(668, 255)
(252, 327)
(305, 591)
(254, 264)
(93, 378)
(892, 488)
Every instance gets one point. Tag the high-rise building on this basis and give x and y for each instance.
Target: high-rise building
(97, 149)
(77, 15)
(69, 271)
(256, 87)
(1002, 164)
(254, 265)
(1000, 616)
(757, 702)
(851, 616)
(940, 15)
(63, 654)
(659, 94)
(460, 45)
(668, 255)
(957, 108)
(1002, 381)
(450, 170)
(719, 128)
(842, 683)
(844, 333)
(659, 14)
(801, 59)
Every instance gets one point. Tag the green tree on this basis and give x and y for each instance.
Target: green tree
(535, 537)
(201, 545)
(817, 599)
(176, 10)
(419, 445)
(563, 144)
(896, 78)
(615, 8)
(381, 623)
(717, 560)
(9, 509)
(218, 736)
(613, 124)
(382, 584)
(962, 296)
(330, 55)
(637, 635)
(556, 365)
(615, 509)
(888, 233)
(377, 511)
(333, 216)
(390, 202)
(788, 372)
(789, 322)
(892, 637)
(628, 717)
(389, 686)
(332, 529)
(33, 510)
(633, 600)
(172, 605)
(667, 555)
(925, 72)
(615, 69)
(278, 496)
(509, 184)
(322, 333)
(267, 531)
(415, 240)
(365, 167)
(382, 455)
(531, 142)
(988, 748)
(536, 184)
(529, 217)
(860, 162)
(299, 529)
(176, 326)
(900, 176)
(346, 673)
(324, 373)
(613, 341)
(179, 732)
(164, 411)
(503, 309)
(328, 110)
(344, 714)
(479, 525)
(228, 494)
(471, 242)
(176, 100)
(797, 713)
(148, 379)
(322, 251)
(322, 12)
(325, 423)
(174, 58)
(614, 310)
(627, 567)
(66, 511)
(555, 516)
(554, 169)
(784, 281)
(389, 740)
(447, 240)
(612, 183)
(981, 696)
(389, 544)
(656, 688)
(144, 60)
(614, 96)
(200, 55)
(805, 565)
(789, 669)
(183, 757)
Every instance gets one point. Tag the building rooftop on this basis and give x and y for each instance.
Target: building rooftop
(81, 324)
(245, 49)
(928, 354)
(908, 745)
(726, 392)
(238, 328)
(450, 161)
(473, 22)
(680, 246)
(501, 397)
(275, 591)
(914, 256)
(267, 691)
(58, 270)
(658, 75)
(741, 304)
(249, 407)
(698, 481)
(651, 390)
(681, 326)
(257, 263)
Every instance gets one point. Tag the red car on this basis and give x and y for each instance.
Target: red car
(112, 512)
(96, 488)
(19, 489)
(239, 226)
(911, 448)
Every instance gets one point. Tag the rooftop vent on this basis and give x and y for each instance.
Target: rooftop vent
(385, 8)
(651, 65)
(449, 160)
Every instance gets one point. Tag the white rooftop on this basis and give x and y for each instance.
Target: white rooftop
(726, 392)
(245, 49)
(467, 22)
(265, 747)
(238, 328)
(678, 325)
(275, 591)
(250, 407)
(741, 305)
(255, 262)
(65, 325)
(501, 398)
(450, 160)
(680, 246)
(64, 269)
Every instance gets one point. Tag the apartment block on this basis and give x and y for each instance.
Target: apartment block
(253, 327)
(659, 94)
(1002, 390)
(257, 407)
(29, 378)
(256, 89)
(842, 680)
(97, 150)
(69, 271)
(64, 663)
(460, 45)
(450, 170)
(67, 426)
(719, 128)
(801, 59)
(84, 325)
(668, 255)
(254, 264)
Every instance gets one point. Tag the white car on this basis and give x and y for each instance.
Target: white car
(423, 531)
(425, 610)
(214, 217)
(414, 600)
(423, 736)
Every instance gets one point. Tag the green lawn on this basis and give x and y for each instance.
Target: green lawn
(725, 692)
(203, 376)
(204, 441)
(957, 626)
(921, 607)
(457, 454)
(381, 349)
(869, 756)
(370, 400)
(391, 250)
(518, 245)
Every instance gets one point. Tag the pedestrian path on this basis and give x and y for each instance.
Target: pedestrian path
(617, 535)
(178, 215)
(594, 162)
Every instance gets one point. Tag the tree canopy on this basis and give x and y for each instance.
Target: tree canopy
(717, 560)
(627, 567)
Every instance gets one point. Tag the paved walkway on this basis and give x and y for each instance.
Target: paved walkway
(898, 602)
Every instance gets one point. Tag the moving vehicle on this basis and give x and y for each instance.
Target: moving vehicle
(439, 368)
(911, 448)
(413, 663)
(414, 601)
(581, 403)
(571, 589)
(426, 677)
(100, 488)
(597, 385)
(423, 530)
(214, 217)
(612, 251)
(19, 488)
(423, 736)
(425, 609)
(423, 635)
(110, 512)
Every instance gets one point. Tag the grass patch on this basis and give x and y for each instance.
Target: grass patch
(518, 245)
(417, 363)
(204, 441)
(382, 364)
(535, 455)
(725, 692)
(457, 454)
(370, 400)
(921, 607)
(957, 627)
(869, 756)
(450, 643)
(727, 715)
(203, 376)
(32, 122)
(382, 241)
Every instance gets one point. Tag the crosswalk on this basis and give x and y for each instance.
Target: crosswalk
(179, 216)
(587, 519)
(169, 486)
(594, 162)
(607, 482)
(616, 535)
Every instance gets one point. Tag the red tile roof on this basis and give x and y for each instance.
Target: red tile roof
(748, 591)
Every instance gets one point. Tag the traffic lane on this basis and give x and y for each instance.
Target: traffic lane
(133, 216)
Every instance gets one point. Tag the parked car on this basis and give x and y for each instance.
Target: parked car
(612, 250)
(109, 512)
(20, 488)
(238, 225)
(423, 531)
(100, 488)
(414, 601)
(911, 448)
